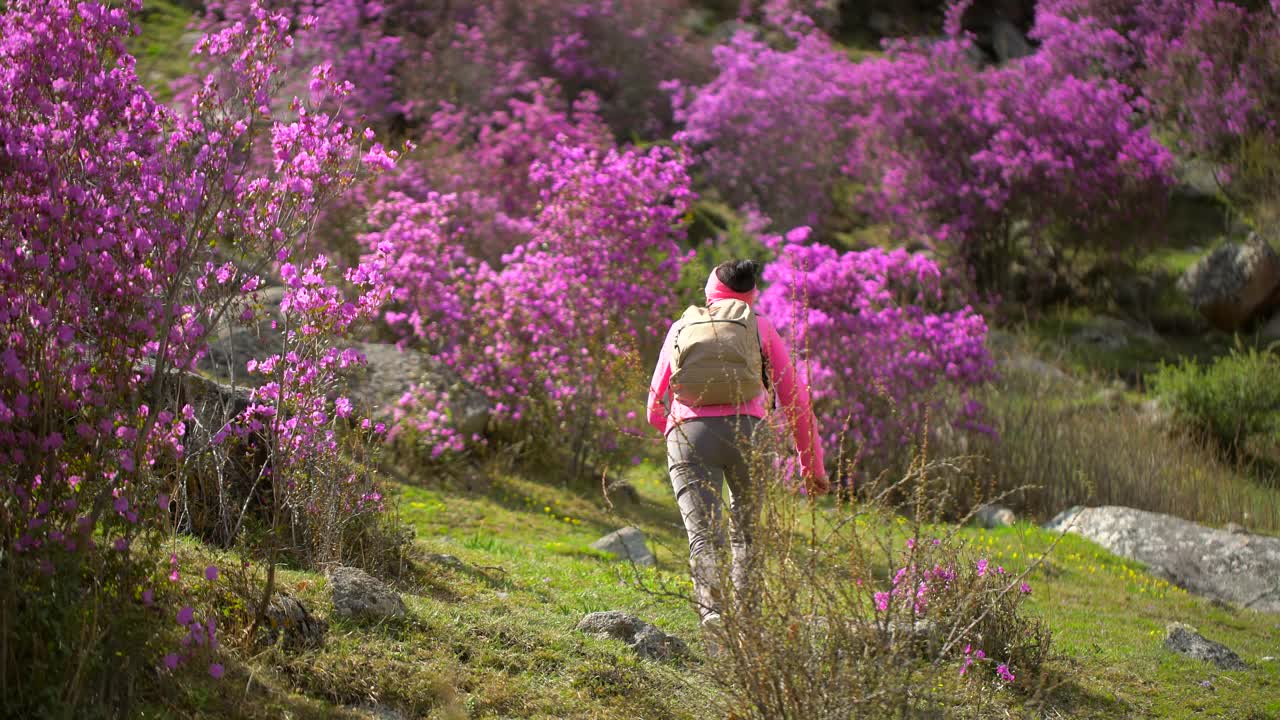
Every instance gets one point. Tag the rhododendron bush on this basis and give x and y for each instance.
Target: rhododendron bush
(992, 165)
(552, 333)
(888, 349)
(130, 232)
(1206, 70)
(770, 126)
(983, 164)
(413, 62)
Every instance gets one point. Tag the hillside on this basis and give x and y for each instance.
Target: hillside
(494, 637)
(326, 350)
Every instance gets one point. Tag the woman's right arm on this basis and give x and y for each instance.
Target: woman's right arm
(793, 396)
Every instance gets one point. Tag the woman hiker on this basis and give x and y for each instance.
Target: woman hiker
(720, 364)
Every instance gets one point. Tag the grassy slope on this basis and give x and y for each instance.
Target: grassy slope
(160, 48)
(496, 638)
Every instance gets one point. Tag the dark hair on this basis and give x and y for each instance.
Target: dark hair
(739, 275)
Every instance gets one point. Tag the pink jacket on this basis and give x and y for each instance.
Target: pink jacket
(792, 395)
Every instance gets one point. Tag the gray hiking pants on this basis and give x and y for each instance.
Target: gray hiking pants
(702, 456)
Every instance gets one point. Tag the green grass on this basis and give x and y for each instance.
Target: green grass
(495, 638)
(162, 53)
(1054, 334)
(1108, 617)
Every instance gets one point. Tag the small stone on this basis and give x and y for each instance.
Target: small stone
(621, 493)
(445, 560)
(627, 543)
(289, 623)
(357, 594)
(646, 640)
(1270, 332)
(994, 516)
(1185, 640)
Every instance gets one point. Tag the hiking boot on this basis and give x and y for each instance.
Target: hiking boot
(714, 636)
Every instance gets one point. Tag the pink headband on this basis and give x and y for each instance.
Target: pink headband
(717, 290)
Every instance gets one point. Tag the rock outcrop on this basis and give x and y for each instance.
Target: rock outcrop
(994, 516)
(1233, 567)
(646, 640)
(1234, 284)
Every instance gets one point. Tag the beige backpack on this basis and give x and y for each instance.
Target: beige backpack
(716, 358)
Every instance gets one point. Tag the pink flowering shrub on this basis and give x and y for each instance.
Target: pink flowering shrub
(484, 160)
(551, 333)
(992, 165)
(888, 350)
(976, 600)
(983, 165)
(130, 233)
(769, 127)
(410, 60)
(1204, 69)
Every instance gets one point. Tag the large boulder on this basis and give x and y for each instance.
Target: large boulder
(1008, 42)
(1233, 284)
(1186, 640)
(646, 640)
(627, 544)
(390, 372)
(1233, 567)
(359, 595)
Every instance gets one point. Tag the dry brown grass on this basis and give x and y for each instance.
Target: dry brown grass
(1057, 449)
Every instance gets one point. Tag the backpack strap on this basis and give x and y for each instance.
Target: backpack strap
(764, 368)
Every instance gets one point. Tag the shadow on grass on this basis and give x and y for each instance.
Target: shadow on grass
(1065, 697)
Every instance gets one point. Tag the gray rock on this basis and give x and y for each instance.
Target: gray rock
(1103, 333)
(1198, 179)
(289, 623)
(1155, 412)
(994, 516)
(646, 640)
(628, 544)
(1008, 42)
(1270, 330)
(621, 493)
(449, 561)
(881, 23)
(1232, 284)
(923, 636)
(359, 595)
(387, 375)
(1185, 640)
(390, 372)
(1235, 568)
(233, 345)
(380, 712)
(1032, 365)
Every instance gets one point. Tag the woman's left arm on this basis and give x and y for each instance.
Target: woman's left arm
(657, 407)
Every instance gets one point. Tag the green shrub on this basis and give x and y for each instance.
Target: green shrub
(1234, 398)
